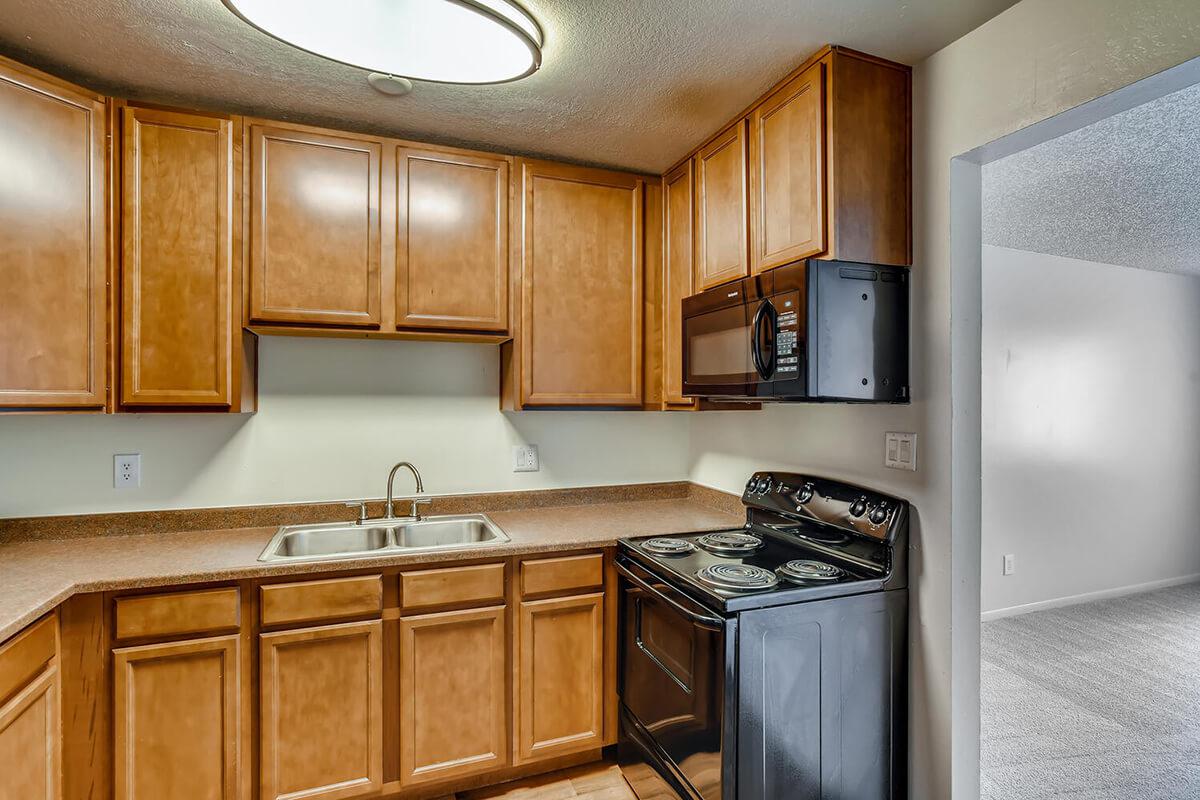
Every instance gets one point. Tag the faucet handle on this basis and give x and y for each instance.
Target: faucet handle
(361, 505)
(417, 500)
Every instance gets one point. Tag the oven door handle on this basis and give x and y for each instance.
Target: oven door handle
(700, 619)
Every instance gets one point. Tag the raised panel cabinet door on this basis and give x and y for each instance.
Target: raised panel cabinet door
(560, 676)
(451, 241)
(30, 742)
(581, 287)
(453, 718)
(53, 259)
(721, 166)
(787, 172)
(678, 247)
(176, 728)
(177, 266)
(314, 227)
(322, 712)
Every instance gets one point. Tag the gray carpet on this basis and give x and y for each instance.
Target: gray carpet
(1094, 702)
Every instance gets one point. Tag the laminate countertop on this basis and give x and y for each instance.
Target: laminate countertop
(38, 575)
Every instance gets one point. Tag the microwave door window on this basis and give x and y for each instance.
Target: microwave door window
(719, 348)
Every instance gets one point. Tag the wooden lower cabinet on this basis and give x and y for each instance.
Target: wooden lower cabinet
(560, 677)
(29, 741)
(321, 707)
(176, 720)
(453, 718)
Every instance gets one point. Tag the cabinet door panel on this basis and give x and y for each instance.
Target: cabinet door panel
(787, 172)
(678, 216)
(560, 676)
(721, 209)
(452, 694)
(314, 227)
(29, 742)
(177, 270)
(176, 720)
(451, 241)
(53, 260)
(581, 287)
(322, 712)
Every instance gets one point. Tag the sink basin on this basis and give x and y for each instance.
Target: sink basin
(346, 540)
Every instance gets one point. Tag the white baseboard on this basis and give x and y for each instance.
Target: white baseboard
(1089, 597)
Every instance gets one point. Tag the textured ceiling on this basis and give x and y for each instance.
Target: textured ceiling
(634, 84)
(1124, 191)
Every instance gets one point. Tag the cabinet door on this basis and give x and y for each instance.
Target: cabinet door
(560, 676)
(581, 287)
(452, 694)
(176, 720)
(721, 209)
(787, 172)
(177, 268)
(322, 712)
(53, 262)
(29, 742)
(451, 241)
(314, 227)
(678, 214)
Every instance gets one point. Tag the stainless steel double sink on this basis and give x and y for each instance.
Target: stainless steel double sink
(380, 537)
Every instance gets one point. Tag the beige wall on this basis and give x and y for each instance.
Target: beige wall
(1037, 59)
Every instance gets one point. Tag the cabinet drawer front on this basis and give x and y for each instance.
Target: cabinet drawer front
(205, 611)
(481, 584)
(311, 601)
(568, 574)
(25, 655)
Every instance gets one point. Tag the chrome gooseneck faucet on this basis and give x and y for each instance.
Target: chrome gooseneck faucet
(389, 511)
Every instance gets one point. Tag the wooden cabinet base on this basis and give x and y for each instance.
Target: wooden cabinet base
(29, 737)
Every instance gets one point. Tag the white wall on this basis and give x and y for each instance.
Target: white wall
(1091, 418)
(334, 415)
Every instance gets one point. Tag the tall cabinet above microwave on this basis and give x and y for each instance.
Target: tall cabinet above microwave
(813, 331)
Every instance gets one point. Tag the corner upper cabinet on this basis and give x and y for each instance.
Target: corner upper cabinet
(314, 207)
(451, 240)
(53, 258)
(787, 172)
(721, 254)
(678, 244)
(579, 337)
(181, 331)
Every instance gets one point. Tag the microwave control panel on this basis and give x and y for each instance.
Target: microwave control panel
(787, 335)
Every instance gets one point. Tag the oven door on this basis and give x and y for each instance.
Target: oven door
(672, 681)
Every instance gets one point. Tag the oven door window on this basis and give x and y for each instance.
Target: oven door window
(672, 682)
(718, 348)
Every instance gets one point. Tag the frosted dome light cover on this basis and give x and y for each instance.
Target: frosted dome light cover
(444, 41)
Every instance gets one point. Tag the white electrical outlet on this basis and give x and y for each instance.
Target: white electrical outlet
(525, 458)
(1010, 564)
(127, 471)
(900, 450)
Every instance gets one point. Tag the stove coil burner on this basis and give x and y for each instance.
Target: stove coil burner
(737, 577)
(805, 571)
(668, 547)
(730, 544)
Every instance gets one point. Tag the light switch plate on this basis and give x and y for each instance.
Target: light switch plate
(900, 450)
(525, 458)
(127, 471)
(1010, 564)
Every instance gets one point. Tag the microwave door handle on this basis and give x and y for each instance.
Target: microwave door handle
(765, 365)
(755, 356)
(771, 318)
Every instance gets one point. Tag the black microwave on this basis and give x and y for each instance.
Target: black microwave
(815, 330)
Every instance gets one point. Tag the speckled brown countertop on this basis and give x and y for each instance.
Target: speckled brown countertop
(38, 574)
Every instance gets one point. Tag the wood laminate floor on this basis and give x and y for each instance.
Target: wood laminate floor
(599, 781)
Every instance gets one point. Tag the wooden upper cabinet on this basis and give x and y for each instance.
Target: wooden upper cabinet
(53, 258)
(721, 253)
(580, 333)
(179, 314)
(678, 246)
(451, 240)
(787, 172)
(177, 720)
(314, 227)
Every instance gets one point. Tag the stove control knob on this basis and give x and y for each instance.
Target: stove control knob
(803, 494)
(750, 484)
(764, 484)
(858, 507)
(879, 514)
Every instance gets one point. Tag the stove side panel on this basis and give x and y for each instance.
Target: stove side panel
(821, 700)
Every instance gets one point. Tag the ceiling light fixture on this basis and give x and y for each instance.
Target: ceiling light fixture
(443, 41)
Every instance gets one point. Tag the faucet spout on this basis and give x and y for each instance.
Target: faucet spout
(389, 510)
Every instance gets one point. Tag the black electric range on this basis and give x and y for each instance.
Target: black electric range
(769, 660)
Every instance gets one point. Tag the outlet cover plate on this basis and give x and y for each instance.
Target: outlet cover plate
(525, 458)
(127, 470)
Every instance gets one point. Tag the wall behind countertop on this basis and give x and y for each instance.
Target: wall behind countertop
(334, 415)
